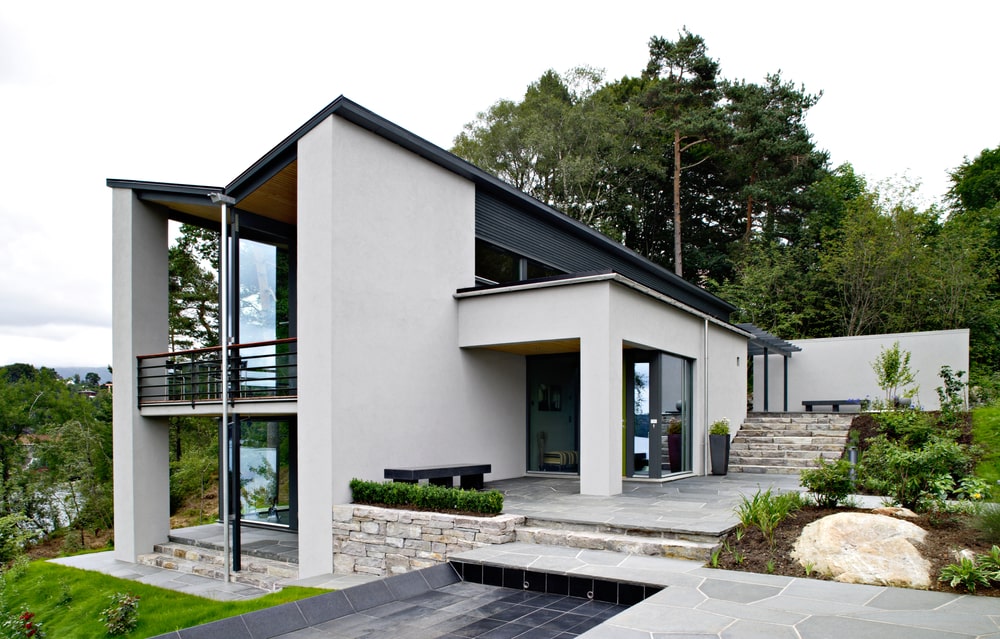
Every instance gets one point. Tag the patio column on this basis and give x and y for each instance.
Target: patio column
(318, 392)
(139, 321)
(600, 415)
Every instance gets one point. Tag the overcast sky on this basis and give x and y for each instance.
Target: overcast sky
(195, 92)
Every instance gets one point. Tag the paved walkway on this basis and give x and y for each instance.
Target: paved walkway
(695, 602)
(695, 504)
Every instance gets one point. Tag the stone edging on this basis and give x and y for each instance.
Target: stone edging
(386, 541)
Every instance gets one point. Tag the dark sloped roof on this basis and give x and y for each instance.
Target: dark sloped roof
(286, 152)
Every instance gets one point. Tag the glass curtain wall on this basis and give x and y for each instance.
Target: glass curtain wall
(262, 464)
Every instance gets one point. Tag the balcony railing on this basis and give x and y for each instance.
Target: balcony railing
(259, 370)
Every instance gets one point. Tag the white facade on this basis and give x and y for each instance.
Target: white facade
(400, 360)
(839, 368)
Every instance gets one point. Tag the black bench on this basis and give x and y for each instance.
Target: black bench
(833, 403)
(471, 474)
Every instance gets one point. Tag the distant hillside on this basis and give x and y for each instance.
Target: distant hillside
(67, 372)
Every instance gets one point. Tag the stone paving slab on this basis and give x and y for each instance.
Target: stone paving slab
(197, 585)
(705, 602)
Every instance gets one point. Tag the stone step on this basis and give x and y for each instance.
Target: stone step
(772, 470)
(266, 574)
(615, 530)
(787, 443)
(797, 427)
(790, 458)
(630, 544)
(832, 435)
(793, 455)
(802, 443)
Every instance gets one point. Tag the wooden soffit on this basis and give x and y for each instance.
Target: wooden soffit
(277, 198)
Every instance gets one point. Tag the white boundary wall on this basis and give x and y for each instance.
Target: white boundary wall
(841, 368)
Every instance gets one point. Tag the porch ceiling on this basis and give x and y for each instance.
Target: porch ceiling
(276, 198)
(549, 347)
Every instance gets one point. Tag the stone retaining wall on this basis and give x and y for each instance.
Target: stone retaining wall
(386, 541)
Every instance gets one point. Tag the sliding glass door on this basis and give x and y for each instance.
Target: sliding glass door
(658, 426)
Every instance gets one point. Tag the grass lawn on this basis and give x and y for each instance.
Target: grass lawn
(68, 602)
(986, 434)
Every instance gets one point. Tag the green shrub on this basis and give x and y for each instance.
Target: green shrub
(829, 482)
(122, 616)
(908, 475)
(426, 497)
(12, 537)
(910, 426)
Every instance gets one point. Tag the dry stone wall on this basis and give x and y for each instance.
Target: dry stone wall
(386, 541)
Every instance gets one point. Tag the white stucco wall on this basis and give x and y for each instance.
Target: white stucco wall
(840, 368)
(139, 325)
(605, 315)
(382, 247)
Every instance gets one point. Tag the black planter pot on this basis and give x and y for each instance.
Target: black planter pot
(719, 446)
(674, 444)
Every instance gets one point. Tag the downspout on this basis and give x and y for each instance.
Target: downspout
(224, 201)
(704, 382)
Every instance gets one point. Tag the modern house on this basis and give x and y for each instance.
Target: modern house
(391, 305)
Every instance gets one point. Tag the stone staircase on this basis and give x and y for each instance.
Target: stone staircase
(635, 541)
(260, 572)
(787, 443)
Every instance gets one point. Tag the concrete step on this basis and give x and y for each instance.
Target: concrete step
(266, 574)
(629, 544)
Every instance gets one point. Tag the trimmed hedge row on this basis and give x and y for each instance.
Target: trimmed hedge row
(426, 497)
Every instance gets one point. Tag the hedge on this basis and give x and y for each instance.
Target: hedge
(426, 497)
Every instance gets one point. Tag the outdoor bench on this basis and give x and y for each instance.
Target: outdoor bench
(834, 403)
(471, 474)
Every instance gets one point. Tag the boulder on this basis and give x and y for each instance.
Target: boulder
(863, 548)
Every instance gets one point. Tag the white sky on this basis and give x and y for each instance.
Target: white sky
(195, 92)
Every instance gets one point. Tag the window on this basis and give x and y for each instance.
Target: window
(497, 266)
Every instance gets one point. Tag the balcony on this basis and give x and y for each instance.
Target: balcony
(258, 372)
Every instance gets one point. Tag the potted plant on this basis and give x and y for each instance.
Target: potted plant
(674, 444)
(718, 441)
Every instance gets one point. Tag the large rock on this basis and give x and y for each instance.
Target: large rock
(862, 548)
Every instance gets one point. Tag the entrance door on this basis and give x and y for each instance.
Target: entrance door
(658, 426)
(553, 406)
